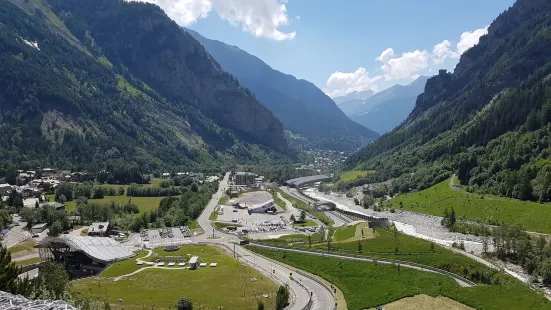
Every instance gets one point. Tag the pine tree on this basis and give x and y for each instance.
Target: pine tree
(9, 272)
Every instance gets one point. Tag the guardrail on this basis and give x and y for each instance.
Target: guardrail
(370, 258)
(270, 274)
(310, 301)
(296, 270)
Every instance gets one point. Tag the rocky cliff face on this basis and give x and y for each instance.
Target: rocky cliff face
(141, 38)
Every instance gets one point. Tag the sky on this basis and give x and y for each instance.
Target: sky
(344, 45)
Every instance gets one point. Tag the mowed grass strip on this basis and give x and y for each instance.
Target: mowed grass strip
(28, 261)
(229, 285)
(145, 204)
(532, 216)
(23, 248)
(367, 285)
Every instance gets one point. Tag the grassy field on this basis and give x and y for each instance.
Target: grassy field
(161, 289)
(368, 285)
(145, 204)
(531, 215)
(356, 232)
(28, 261)
(307, 223)
(352, 175)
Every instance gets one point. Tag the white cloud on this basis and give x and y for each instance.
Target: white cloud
(341, 83)
(262, 18)
(469, 39)
(404, 66)
(442, 51)
(385, 55)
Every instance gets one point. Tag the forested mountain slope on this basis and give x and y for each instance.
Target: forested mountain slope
(97, 93)
(300, 105)
(488, 121)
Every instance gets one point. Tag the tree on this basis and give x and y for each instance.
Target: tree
(302, 218)
(282, 297)
(184, 303)
(260, 305)
(9, 275)
(310, 241)
(367, 201)
(432, 246)
(359, 247)
(356, 201)
(55, 229)
(292, 218)
(53, 280)
(62, 198)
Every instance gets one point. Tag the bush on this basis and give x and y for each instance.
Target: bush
(184, 303)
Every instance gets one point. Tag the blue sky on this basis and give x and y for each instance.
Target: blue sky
(335, 44)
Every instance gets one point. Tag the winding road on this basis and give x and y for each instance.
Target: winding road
(305, 290)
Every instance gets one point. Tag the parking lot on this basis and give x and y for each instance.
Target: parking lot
(159, 237)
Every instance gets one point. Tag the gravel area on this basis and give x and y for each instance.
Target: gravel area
(416, 224)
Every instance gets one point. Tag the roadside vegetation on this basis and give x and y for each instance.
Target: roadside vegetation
(366, 285)
(475, 207)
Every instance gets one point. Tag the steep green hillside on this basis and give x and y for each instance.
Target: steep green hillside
(74, 103)
(488, 121)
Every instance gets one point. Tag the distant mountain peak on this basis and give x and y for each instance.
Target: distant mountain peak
(356, 95)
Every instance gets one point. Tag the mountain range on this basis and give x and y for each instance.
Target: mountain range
(356, 95)
(92, 84)
(304, 109)
(386, 109)
(488, 121)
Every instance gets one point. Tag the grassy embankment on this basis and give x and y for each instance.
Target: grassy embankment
(388, 244)
(278, 201)
(532, 216)
(368, 285)
(28, 261)
(299, 204)
(161, 288)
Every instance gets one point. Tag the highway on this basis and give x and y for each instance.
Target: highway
(302, 288)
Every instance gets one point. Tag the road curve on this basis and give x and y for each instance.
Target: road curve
(302, 287)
